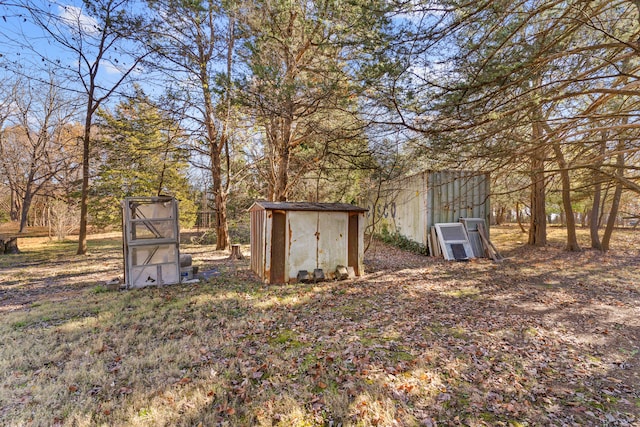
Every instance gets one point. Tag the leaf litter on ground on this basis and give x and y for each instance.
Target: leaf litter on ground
(544, 338)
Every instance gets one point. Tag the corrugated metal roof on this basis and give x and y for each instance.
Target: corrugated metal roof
(308, 206)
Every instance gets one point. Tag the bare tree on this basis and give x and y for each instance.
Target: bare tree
(98, 36)
(31, 148)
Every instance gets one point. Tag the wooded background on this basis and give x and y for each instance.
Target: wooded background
(219, 103)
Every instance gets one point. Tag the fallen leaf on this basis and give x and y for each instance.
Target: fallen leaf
(126, 390)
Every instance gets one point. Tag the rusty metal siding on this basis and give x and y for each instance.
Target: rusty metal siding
(456, 194)
(268, 231)
(303, 242)
(353, 243)
(411, 206)
(278, 251)
(258, 242)
(406, 220)
(333, 238)
(312, 239)
(362, 225)
(317, 240)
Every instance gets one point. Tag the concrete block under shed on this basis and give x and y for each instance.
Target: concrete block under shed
(341, 272)
(304, 276)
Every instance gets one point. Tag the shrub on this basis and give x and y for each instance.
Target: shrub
(402, 242)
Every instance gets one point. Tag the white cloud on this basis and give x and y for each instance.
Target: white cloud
(110, 68)
(77, 21)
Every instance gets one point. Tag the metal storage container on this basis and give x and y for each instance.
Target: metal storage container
(410, 206)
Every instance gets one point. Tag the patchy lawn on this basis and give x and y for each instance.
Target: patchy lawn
(543, 338)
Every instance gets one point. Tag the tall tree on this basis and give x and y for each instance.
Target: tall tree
(300, 60)
(194, 42)
(98, 37)
(143, 153)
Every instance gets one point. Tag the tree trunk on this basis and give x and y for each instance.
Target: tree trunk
(280, 138)
(222, 230)
(500, 215)
(26, 205)
(15, 206)
(215, 143)
(594, 216)
(615, 203)
(572, 238)
(538, 228)
(49, 224)
(519, 218)
(84, 195)
(603, 204)
(222, 227)
(281, 172)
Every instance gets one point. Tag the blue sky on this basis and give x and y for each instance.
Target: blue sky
(28, 50)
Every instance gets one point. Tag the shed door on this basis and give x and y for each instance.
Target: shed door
(278, 241)
(353, 243)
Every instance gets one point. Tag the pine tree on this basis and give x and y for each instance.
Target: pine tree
(142, 154)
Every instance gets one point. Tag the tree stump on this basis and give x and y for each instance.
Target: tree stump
(9, 246)
(235, 252)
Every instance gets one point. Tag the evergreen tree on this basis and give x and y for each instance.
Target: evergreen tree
(301, 90)
(142, 154)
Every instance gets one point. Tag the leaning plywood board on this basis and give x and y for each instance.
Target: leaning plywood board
(489, 247)
(454, 241)
(434, 250)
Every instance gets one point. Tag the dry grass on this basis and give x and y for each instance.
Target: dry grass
(544, 338)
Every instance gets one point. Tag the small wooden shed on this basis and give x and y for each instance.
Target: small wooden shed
(288, 237)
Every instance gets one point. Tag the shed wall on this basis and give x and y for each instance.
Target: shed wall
(258, 219)
(333, 240)
(302, 242)
(317, 240)
(314, 239)
(411, 206)
(362, 224)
